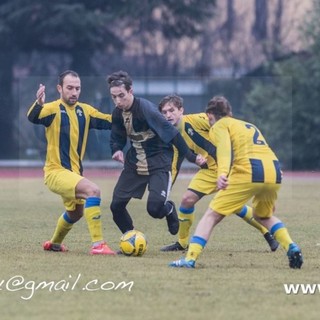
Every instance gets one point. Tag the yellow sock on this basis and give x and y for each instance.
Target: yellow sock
(281, 234)
(195, 247)
(92, 214)
(246, 215)
(64, 225)
(186, 217)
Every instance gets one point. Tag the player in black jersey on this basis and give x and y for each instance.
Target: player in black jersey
(149, 159)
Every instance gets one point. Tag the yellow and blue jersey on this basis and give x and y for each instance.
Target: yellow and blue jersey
(194, 129)
(67, 129)
(243, 153)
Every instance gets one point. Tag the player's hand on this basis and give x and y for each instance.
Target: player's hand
(118, 156)
(222, 182)
(41, 94)
(200, 160)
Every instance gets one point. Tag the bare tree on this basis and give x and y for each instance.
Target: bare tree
(230, 20)
(260, 26)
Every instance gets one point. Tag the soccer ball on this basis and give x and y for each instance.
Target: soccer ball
(133, 243)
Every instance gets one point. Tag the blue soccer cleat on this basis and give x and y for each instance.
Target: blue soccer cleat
(182, 263)
(295, 256)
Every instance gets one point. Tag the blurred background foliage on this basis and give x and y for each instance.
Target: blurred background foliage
(263, 56)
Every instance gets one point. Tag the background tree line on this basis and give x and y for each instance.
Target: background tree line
(253, 65)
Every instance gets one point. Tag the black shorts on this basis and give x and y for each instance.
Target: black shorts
(133, 185)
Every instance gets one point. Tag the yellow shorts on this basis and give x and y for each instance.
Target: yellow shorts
(232, 199)
(204, 181)
(63, 182)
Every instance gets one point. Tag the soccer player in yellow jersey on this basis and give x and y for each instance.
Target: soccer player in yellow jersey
(247, 169)
(67, 122)
(194, 128)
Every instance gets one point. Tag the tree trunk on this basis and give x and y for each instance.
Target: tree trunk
(260, 26)
(8, 147)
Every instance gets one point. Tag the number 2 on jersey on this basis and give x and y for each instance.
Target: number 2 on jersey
(256, 134)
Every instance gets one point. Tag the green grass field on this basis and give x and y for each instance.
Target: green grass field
(237, 277)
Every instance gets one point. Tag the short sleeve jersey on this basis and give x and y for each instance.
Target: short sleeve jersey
(149, 134)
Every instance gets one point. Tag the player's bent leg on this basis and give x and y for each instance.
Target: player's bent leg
(196, 246)
(158, 205)
(281, 234)
(186, 217)
(247, 215)
(272, 242)
(158, 210)
(121, 216)
(63, 182)
(199, 240)
(186, 214)
(294, 254)
(64, 225)
(172, 218)
(277, 229)
(92, 212)
(86, 188)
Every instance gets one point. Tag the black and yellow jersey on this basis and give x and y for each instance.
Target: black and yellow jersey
(151, 137)
(194, 129)
(67, 129)
(243, 153)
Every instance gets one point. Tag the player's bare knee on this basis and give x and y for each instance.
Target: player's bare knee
(187, 201)
(85, 189)
(94, 191)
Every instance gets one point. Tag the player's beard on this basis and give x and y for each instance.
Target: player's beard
(72, 100)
